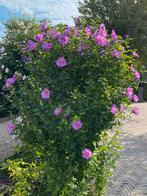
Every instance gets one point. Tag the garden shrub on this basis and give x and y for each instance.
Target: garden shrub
(81, 80)
(12, 63)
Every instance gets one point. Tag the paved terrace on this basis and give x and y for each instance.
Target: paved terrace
(130, 178)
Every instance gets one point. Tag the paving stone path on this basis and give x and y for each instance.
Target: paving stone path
(130, 178)
(7, 142)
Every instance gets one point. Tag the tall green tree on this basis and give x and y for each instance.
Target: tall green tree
(125, 16)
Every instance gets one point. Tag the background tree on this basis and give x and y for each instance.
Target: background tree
(125, 16)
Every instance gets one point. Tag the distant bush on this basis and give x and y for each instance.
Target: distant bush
(80, 82)
(125, 16)
(12, 62)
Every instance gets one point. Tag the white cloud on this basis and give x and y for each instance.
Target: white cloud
(56, 10)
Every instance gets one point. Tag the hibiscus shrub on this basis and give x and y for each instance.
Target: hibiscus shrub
(81, 81)
(12, 63)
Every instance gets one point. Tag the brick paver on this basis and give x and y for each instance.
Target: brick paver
(130, 178)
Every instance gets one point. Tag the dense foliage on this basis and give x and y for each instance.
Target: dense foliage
(125, 16)
(12, 62)
(80, 82)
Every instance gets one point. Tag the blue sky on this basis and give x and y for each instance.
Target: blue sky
(56, 10)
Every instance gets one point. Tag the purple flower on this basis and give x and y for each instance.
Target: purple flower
(46, 46)
(102, 52)
(135, 55)
(54, 34)
(31, 45)
(129, 93)
(122, 108)
(114, 109)
(76, 32)
(77, 124)
(135, 98)
(63, 39)
(10, 81)
(115, 53)
(135, 110)
(126, 36)
(100, 36)
(88, 31)
(77, 20)
(61, 62)
(102, 26)
(102, 30)
(101, 40)
(132, 68)
(95, 34)
(45, 93)
(86, 154)
(27, 60)
(137, 75)
(38, 38)
(67, 30)
(114, 35)
(58, 111)
(103, 33)
(10, 128)
(123, 48)
(83, 46)
(43, 26)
